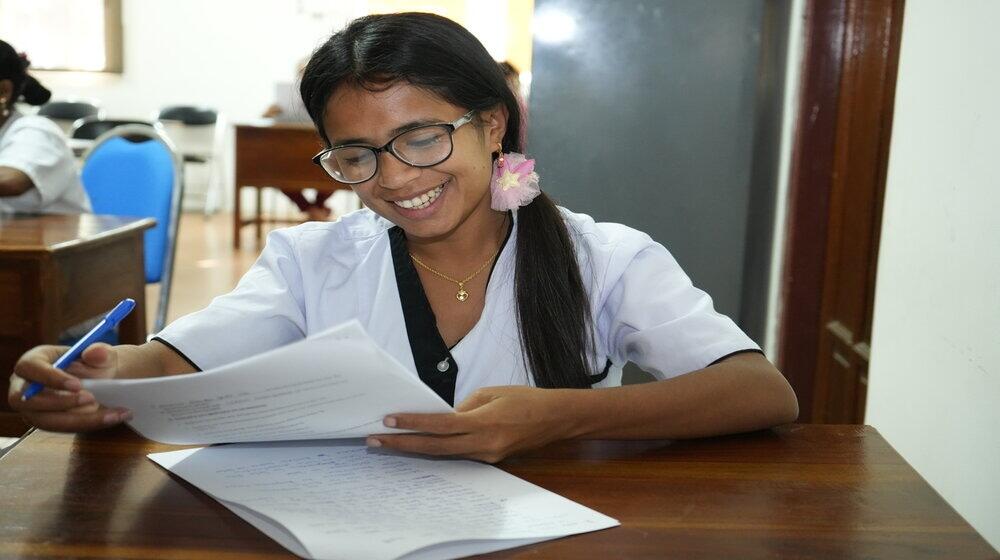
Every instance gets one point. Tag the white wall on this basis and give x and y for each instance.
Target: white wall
(935, 371)
(228, 54)
(225, 53)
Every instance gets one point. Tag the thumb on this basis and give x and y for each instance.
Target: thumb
(99, 356)
(476, 400)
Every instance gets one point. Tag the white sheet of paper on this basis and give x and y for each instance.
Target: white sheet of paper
(335, 384)
(341, 500)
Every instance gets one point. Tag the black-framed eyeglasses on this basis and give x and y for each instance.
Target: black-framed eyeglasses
(421, 146)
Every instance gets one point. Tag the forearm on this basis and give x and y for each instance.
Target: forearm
(13, 182)
(741, 394)
(151, 359)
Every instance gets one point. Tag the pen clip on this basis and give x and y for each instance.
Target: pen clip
(120, 311)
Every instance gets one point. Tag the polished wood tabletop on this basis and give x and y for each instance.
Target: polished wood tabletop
(57, 271)
(799, 491)
(33, 233)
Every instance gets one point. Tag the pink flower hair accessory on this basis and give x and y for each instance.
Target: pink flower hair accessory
(514, 183)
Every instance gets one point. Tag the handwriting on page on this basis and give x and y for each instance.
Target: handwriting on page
(354, 491)
(338, 499)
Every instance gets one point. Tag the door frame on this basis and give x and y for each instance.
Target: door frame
(842, 39)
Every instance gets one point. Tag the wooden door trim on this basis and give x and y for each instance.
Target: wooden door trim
(838, 46)
(808, 196)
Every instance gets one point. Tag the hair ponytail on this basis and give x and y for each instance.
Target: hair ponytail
(437, 54)
(553, 310)
(35, 93)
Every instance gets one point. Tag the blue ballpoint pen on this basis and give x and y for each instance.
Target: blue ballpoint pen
(109, 322)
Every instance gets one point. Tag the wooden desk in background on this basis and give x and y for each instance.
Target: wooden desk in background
(58, 271)
(800, 491)
(278, 156)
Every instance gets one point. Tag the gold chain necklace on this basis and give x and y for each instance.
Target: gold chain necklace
(462, 295)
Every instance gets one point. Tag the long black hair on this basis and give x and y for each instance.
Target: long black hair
(14, 67)
(436, 54)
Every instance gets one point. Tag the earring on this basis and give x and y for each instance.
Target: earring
(6, 110)
(514, 183)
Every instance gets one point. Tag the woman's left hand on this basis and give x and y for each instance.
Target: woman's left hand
(490, 425)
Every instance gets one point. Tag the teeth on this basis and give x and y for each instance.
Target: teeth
(422, 201)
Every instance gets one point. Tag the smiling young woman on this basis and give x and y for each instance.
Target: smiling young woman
(519, 312)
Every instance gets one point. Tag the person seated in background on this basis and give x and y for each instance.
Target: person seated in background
(288, 108)
(37, 170)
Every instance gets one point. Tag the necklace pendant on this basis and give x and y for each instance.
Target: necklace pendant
(462, 295)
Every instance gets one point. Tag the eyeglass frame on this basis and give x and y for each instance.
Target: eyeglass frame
(387, 147)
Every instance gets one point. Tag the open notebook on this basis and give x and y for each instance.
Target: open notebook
(328, 498)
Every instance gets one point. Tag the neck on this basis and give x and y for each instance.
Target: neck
(478, 237)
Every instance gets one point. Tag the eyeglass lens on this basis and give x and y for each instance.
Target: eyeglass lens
(420, 147)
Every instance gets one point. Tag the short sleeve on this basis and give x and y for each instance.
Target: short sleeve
(264, 311)
(44, 157)
(656, 318)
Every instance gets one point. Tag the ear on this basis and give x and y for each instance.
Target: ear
(495, 122)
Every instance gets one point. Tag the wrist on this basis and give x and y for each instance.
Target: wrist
(578, 411)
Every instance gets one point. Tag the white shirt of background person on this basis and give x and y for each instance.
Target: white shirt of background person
(36, 147)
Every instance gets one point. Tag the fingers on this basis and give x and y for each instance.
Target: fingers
(471, 446)
(36, 366)
(431, 423)
(442, 434)
(62, 405)
(51, 400)
(426, 445)
(79, 420)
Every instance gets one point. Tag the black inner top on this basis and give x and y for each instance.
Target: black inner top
(435, 364)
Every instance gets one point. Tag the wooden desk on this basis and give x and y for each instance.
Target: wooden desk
(58, 271)
(275, 155)
(805, 491)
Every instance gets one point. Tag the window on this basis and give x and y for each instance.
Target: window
(74, 35)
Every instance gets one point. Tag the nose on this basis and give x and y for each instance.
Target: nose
(393, 173)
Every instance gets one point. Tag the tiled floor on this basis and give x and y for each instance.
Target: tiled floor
(207, 265)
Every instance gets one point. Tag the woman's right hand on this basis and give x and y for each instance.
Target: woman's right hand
(63, 406)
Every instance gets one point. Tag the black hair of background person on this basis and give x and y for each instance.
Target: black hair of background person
(14, 67)
(440, 56)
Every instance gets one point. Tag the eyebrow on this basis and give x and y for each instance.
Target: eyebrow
(392, 133)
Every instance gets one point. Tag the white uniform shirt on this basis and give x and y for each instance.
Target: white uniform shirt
(36, 147)
(318, 275)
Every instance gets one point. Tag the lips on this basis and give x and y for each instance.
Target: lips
(422, 201)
